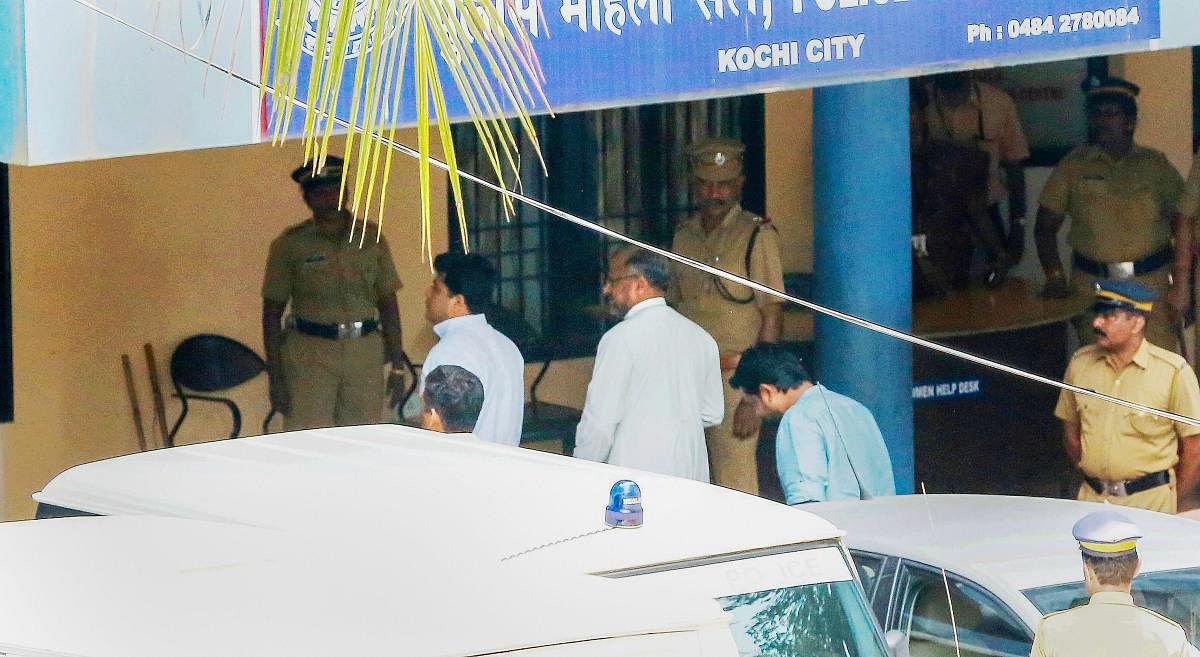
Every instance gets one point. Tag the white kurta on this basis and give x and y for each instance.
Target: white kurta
(655, 386)
(472, 344)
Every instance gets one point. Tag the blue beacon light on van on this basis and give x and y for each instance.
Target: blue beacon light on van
(624, 505)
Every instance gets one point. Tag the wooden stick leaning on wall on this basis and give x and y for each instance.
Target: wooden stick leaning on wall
(133, 401)
(156, 395)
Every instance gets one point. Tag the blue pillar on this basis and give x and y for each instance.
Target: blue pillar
(12, 80)
(862, 265)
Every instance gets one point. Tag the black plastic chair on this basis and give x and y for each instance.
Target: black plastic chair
(414, 380)
(543, 420)
(208, 363)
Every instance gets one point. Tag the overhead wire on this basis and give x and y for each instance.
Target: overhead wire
(666, 253)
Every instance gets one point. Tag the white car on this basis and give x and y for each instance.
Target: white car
(146, 586)
(1008, 561)
(710, 572)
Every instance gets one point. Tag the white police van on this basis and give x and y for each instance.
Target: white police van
(482, 549)
(144, 586)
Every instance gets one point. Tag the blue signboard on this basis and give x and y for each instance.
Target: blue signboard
(598, 53)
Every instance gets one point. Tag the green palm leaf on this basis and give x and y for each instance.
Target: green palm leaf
(494, 69)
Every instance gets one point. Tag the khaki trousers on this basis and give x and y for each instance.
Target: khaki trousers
(333, 383)
(732, 460)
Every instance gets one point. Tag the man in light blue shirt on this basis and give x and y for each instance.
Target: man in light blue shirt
(828, 446)
(454, 305)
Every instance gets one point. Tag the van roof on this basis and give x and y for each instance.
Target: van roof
(149, 586)
(387, 481)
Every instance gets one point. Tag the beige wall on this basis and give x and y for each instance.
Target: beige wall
(1165, 102)
(110, 255)
(790, 192)
(789, 175)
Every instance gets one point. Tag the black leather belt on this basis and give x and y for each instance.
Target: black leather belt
(1128, 486)
(337, 331)
(1128, 269)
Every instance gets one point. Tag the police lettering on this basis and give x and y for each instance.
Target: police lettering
(835, 48)
(767, 55)
(787, 53)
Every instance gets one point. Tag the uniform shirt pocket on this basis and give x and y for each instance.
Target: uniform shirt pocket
(1088, 191)
(366, 271)
(315, 263)
(1148, 425)
(317, 267)
(317, 281)
(1091, 418)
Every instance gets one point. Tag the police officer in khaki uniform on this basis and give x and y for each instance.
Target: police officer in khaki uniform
(1121, 198)
(1182, 294)
(1129, 457)
(1110, 625)
(1189, 202)
(725, 236)
(327, 368)
(978, 114)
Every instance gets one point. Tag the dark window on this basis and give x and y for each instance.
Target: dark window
(870, 567)
(1196, 98)
(826, 619)
(626, 168)
(1172, 593)
(47, 511)
(954, 618)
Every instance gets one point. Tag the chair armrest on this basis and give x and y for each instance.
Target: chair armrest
(414, 370)
(537, 380)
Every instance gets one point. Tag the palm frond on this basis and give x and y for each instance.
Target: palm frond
(493, 67)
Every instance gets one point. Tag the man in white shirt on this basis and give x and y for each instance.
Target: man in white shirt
(656, 383)
(454, 305)
(452, 400)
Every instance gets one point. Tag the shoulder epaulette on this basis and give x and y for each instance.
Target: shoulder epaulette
(1152, 153)
(1059, 612)
(1082, 152)
(1171, 358)
(1086, 350)
(1161, 617)
(297, 227)
(762, 222)
(688, 223)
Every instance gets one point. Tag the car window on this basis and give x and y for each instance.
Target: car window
(869, 567)
(1172, 593)
(983, 626)
(828, 619)
(801, 602)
